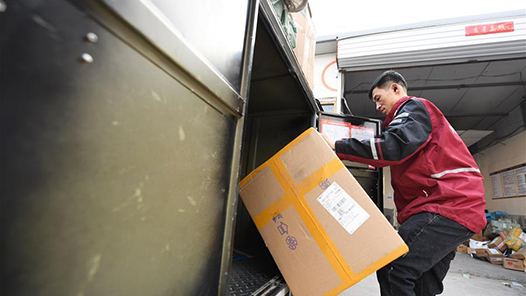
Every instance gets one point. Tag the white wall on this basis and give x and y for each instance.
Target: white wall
(327, 81)
(388, 190)
(389, 194)
(506, 154)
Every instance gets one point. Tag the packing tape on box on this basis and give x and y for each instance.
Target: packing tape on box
(248, 178)
(304, 187)
(319, 234)
(292, 197)
(370, 269)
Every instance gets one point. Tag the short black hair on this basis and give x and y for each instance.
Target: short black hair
(386, 77)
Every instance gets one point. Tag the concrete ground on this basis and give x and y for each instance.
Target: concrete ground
(467, 276)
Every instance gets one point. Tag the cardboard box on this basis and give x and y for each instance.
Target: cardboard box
(462, 249)
(320, 226)
(471, 251)
(494, 256)
(520, 254)
(498, 243)
(305, 42)
(480, 252)
(479, 237)
(515, 264)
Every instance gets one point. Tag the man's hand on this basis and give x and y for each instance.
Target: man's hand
(329, 141)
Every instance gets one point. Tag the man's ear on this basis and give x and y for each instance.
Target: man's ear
(395, 87)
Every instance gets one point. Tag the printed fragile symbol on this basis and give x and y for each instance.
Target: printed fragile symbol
(291, 242)
(325, 184)
(283, 228)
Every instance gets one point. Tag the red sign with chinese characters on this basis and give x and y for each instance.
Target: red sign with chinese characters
(489, 29)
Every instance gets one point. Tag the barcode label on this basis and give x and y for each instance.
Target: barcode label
(493, 251)
(343, 208)
(495, 259)
(338, 205)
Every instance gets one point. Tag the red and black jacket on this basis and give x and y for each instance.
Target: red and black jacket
(432, 170)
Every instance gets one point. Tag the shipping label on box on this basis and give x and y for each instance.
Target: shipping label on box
(316, 219)
(343, 208)
(495, 260)
(494, 252)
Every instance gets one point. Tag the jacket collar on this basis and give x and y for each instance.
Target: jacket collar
(394, 110)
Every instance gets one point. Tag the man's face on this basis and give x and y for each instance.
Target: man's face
(386, 98)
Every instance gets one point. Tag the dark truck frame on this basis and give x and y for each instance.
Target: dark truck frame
(126, 127)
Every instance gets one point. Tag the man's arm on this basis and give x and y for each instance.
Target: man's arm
(409, 132)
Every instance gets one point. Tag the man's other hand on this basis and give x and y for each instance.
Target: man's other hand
(329, 141)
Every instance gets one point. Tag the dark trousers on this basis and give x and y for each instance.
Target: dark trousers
(432, 240)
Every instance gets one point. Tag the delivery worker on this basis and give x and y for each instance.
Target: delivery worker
(438, 189)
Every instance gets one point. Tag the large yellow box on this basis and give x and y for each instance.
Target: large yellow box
(320, 226)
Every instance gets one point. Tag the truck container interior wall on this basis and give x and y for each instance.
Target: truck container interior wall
(278, 111)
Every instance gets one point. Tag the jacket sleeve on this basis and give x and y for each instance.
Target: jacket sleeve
(405, 135)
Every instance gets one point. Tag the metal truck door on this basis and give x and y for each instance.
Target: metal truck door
(121, 128)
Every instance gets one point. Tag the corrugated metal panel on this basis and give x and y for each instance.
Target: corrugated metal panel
(442, 44)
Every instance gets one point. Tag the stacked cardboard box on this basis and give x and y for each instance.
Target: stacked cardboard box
(517, 260)
(494, 256)
(514, 264)
(470, 251)
(479, 237)
(305, 42)
(477, 248)
(495, 227)
(498, 243)
(520, 254)
(462, 249)
(507, 248)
